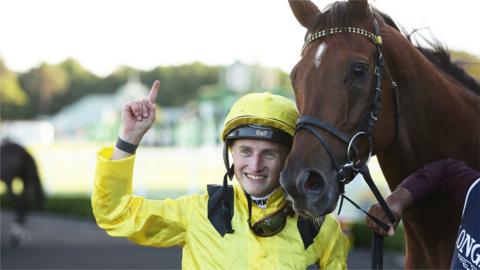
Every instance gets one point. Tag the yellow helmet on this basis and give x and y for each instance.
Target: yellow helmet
(261, 116)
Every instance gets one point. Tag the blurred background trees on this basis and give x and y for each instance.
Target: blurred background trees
(12, 96)
(46, 89)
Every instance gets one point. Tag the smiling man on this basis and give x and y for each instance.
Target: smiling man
(258, 164)
(246, 226)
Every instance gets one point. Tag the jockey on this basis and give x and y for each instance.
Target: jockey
(243, 226)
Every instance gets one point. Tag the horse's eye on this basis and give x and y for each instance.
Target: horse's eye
(358, 70)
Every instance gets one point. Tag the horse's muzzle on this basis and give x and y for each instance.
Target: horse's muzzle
(311, 194)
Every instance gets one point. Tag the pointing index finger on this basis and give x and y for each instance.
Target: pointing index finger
(152, 95)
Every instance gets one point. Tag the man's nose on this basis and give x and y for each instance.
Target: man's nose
(256, 163)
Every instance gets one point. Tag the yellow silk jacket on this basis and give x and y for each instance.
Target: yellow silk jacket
(184, 222)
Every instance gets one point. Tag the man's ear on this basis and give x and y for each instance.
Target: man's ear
(226, 160)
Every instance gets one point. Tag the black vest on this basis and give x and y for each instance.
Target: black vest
(306, 227)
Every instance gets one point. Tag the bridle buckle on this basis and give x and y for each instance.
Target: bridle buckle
(347, 172)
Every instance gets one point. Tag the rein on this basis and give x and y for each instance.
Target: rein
(347, 171)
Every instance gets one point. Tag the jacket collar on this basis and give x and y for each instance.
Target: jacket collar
(276, 201)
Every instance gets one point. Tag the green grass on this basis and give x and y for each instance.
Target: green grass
(72, 205)
(65, 205)
(69, 168)
(362, 236)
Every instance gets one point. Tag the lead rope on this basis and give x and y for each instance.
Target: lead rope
(377, 241)
(368, 179)
(377, 244)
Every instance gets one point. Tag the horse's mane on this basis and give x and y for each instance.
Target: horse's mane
(441, 58)
(337, 14)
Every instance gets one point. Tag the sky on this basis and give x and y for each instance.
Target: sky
(105, 34)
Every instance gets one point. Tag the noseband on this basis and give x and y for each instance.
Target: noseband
(347, 171)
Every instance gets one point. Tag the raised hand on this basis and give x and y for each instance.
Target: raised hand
(138, 116)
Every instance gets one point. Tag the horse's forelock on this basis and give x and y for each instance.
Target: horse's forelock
(337, 14)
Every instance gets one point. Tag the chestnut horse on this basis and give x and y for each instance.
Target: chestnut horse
(361, 84)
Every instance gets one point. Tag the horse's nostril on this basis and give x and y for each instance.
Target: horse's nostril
(314, 182)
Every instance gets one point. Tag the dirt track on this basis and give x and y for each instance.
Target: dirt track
(58, 242)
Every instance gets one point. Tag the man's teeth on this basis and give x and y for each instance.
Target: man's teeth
(255, 177)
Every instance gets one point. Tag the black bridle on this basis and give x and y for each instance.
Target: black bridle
(351, 168)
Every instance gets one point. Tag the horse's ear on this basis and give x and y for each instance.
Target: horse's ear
(304, 11)
(360, 7)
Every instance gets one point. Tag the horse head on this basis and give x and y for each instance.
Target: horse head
(337, 85)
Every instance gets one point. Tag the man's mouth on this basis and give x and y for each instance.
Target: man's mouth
(255, 177)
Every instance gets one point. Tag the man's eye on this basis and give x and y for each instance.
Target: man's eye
(270, 155)
(245, 152)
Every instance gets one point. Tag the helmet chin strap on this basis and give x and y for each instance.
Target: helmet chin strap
(225, 198)
(226, 161)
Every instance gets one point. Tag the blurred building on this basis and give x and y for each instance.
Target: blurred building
(28, 132)
(97, 116)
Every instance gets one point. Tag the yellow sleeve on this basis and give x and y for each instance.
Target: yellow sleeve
(333, 245)
(158, 223)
